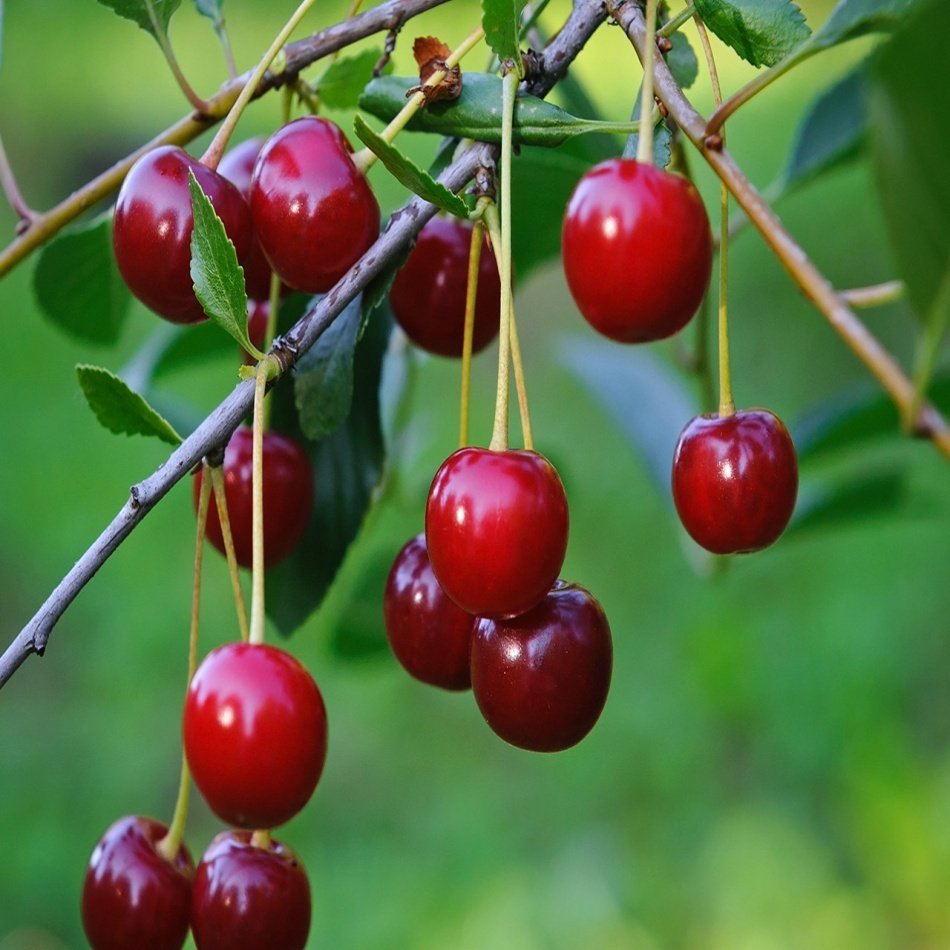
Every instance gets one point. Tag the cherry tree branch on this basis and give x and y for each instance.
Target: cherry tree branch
(927, 420)
(216, 429)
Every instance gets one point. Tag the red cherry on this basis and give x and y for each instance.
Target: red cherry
(428, 294)
(541, 679)
(637, 250)
(735, 480)
(429, 634)
(132, 896)
(152, 229)
(258, 316)
(247, 897)
(288, 496)
(496, 529)
(255, 731)
(313, 210)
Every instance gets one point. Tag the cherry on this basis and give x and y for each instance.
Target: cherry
(637, 250)
(152, 229)
(248, 897)
(428, 294)
(313, 210)
(255, 731)
(237, 165)
(288, 496)
(429, 634)
(132, 896)
(541, 679)
(496, 529)
(258, 316)
(735, 479)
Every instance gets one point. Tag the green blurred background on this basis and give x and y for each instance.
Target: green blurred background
(772, 766)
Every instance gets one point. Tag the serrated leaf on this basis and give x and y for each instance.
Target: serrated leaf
(760, 31)
(340, 86)
(910, 137)
(78, 285)
(406, 172)
(218, 278)
(211, 9)
(347, 466)
(119, 408)
(500, 20)
(849, 501)
(153, 16)
(476, 114)
(853, 18)
(682, 61)
(832, 131)
(323, 377)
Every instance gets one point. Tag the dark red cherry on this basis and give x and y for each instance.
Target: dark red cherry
(132, 896)
(496, 529)
(428, 294)
(152, 228)
(637, 250)
(429, 634)
(288, 496)
(735, 480)
(248, 897)
(255, 731)
(541, 679)
(314, 212)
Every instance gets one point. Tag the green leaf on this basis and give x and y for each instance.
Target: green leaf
(347, 467)
(78, 285)
(833, 131)
(853, 18)
(910, 137)
(217, 276)
(760, 31)
(408, 173)
(476, 114)
(211, 9)
(153, 16)
(1, 32)
(323, 377)
(682, 61)
(340, 86)
(119, 408)
(850, 501)
(500, 20)
(662, 139)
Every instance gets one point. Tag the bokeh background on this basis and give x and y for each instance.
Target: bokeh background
(772, 767)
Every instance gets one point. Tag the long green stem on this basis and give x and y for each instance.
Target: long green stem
(471, 293)
(533, 17)
(221, 503)
(876, 295)
(8, 181)
(162, 36)
(220, 142)
(761, 81)
(645, 142)
(674, 23)
(257, 505)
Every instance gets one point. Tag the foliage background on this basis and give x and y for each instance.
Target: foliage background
(772, 767)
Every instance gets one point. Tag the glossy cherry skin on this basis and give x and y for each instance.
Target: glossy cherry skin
(430, 636)
(314, 212)
(637, 250)
(496, 529)
(255, 732)
(541, 679)
(250, 898)
(151, 232)
(735, 480)
(288, 496)
(132, 896)
(428, 294)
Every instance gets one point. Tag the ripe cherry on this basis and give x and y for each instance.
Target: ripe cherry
(132, 896)
(255, 731)
(152, 229)
(541, 679)
(288, 496)
(247, 897)
(428, 294)
(735, 479)
(637, 250)
(496, 529)
(313, 210)
(430, 635)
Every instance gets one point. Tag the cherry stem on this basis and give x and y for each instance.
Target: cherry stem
(265, 368)
(171, 841)
(674, 23)
(876, 295)
(645, 142)
(221, 503)
(471, 293)
(220, 142)
(533, 17)
(366, 158)
(224, 38)
(201, 105)
(750, 90)
(261, 839)
(10, 189)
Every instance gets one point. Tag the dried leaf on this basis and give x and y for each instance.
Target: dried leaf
(431, 55)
